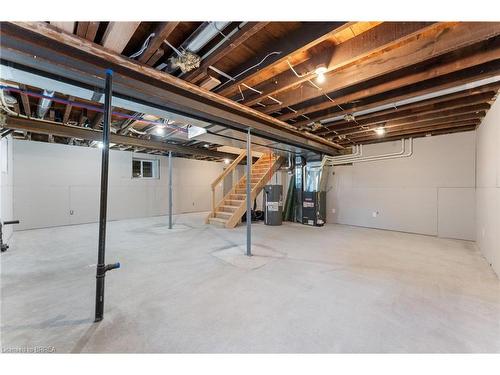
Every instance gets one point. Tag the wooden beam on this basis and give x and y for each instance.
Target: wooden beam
(91, 32)
(442, 39)
(246, 32)
(418, 131)
(67, 27)
(26, 101)
(156, 56)
(81, 28)
(162, 32)
(419, 78)
(391, 99)
(118, 34)
(57, 129)
(466, 113)
(67, 110)
(294, 44)
(97, 120)
(381, 38)
(67, 55)
(426, 107)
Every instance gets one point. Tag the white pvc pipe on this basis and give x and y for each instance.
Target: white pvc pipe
(357, 153)
(334, 159)
(394, 155)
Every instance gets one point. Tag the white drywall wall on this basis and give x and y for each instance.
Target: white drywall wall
(431, 192)
(488, 187)
(6, 182)
(56, 184)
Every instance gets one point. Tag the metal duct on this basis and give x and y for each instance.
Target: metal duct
(44, 104)
(204, 34)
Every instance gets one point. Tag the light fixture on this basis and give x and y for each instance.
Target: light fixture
(159, 130)
(227, 161)
(349, 117)
(100, 145)
(380, 130)
(320, 73)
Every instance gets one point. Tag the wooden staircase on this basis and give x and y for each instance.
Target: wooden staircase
(230, 209)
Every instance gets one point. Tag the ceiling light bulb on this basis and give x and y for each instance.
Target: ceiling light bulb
(227, 161)
(320, 73)
(160, 130)
(380, 130)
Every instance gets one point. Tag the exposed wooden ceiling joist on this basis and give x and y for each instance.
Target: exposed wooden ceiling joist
(71, 56)
(67, 110)
(413, 92)
(436, 41)
(435, 105)
(247, 31)
(162, 32)
(295, 44)
(382, 37)
(459, 114)
(118, 34)
(416, 131)
(487, 63)
(57, 129)
(26, 101)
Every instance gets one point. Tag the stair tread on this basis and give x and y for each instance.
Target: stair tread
(218, 219)
(233, 202)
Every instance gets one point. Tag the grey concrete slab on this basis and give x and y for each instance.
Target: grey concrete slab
(332, 289)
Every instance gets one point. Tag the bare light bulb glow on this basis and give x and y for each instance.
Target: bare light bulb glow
(380, 131)
(160, 130)
(320, 74)
(100, 145)
(227, 161)
(320, 78)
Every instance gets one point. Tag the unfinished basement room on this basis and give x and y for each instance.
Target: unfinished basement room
(250, 187)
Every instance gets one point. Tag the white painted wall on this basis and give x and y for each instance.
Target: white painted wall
(6, 186)
(488, 187)
(431, 192)
(57, 184)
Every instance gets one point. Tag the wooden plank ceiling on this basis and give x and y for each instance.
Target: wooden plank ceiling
(410, 79)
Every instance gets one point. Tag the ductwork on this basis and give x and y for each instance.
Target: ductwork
(289, 165)
(204, 34)
(186, 57)
(44, 104)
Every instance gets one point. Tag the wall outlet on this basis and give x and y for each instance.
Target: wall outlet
(375, 213)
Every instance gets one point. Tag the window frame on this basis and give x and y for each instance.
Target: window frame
(155, 167)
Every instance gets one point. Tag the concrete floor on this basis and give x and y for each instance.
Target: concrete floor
(331, 289)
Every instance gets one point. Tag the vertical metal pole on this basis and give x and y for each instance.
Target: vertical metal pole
(170, 190)
(101, 267)
(249, 192)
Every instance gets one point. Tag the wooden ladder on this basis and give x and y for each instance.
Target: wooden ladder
(230, 209)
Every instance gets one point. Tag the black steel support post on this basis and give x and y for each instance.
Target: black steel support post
(249, 193)
(170, 190)
(102, 268)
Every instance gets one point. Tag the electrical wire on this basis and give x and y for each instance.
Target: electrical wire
(144, 46)
(295, 72)
(253, 66)
(86, 106)
(5, 105)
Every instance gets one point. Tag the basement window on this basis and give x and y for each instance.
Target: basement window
(145, 168)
